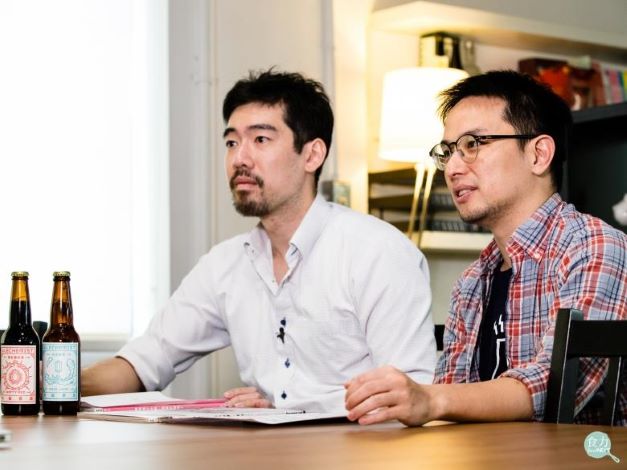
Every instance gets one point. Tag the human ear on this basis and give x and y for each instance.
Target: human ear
(315, 152)
(542, 153)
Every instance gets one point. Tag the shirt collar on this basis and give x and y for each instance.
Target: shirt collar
(257, 242)
(311, 227)
(530, 237)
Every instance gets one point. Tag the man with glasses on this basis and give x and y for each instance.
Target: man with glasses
(505, 141)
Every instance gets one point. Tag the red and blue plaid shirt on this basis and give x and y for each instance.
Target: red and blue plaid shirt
(560, 258)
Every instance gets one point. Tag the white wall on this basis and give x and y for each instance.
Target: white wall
(350, 19)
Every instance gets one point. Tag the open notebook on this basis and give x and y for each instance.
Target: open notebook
(154, 407)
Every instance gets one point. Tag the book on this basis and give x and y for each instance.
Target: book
(144, 401)
(616, 87)
(555, 73)
(598, 85)
(269, 416)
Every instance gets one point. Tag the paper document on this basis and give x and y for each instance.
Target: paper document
(214, 415)
(144, 401)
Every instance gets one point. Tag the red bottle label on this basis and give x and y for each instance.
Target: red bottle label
(19, 367)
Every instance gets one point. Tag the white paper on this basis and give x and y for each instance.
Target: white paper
(253, 415)
(120, 399)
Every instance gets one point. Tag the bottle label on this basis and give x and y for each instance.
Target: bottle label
(19, 369)
(60, 364)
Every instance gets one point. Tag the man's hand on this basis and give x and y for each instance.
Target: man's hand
(387, 393)
(246, 397)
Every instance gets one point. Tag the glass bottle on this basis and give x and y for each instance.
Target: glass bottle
(61, 353)
(19, 354)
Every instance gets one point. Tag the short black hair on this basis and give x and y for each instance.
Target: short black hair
(531, 107)
(307, 107)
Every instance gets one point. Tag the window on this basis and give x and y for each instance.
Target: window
(84, 157)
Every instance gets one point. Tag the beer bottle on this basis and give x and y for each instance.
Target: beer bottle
(19, 354)
(61, 353)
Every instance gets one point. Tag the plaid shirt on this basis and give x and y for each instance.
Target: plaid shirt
(560, 259)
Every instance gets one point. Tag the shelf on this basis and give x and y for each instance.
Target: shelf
(403, 176)
(420, 17)
(453, 242)
(600, 113)
(394, 208)
(399, 202)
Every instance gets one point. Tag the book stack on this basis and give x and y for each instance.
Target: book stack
(582, 85)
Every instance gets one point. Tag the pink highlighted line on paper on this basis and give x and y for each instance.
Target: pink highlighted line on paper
(166, 405)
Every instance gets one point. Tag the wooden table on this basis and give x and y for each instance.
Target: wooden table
(68, 442)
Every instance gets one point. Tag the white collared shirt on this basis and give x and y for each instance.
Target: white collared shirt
(355, 296)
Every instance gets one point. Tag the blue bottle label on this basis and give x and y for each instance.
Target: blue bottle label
(60, 364)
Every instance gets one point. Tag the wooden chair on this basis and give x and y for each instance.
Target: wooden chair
(575, 338)
(439, 336)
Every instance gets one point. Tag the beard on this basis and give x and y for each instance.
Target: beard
(474, 217)
(243, 202)
(482, 216)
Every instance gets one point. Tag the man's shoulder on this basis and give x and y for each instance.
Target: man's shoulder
(230, 243)
(353, 233)
(230, 248)
(472, 273)
(353, 223)
(576, 228)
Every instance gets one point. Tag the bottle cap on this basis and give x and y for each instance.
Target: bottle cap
(61, 274)
(15, 274)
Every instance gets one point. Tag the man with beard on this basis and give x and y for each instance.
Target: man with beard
(505, 140)
(313, 295)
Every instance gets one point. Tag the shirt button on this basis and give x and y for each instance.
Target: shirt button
(284, 395)
(287, 362)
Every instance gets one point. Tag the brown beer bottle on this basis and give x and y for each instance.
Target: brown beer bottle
(19, 354)
(61, 353)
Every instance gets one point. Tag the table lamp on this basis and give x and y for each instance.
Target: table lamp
(410, 125)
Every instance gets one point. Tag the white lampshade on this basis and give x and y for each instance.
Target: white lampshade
(410, 126)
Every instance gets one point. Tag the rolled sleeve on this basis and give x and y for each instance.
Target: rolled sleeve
(535, 377)
(188, 328)
(150, 364)
(594, 280)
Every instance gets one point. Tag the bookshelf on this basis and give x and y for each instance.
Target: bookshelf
(596, 170)
(390, 198)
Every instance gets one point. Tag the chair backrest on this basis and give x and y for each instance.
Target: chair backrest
(575, 338)
(439, 336)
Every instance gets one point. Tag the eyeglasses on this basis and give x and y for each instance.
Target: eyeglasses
(468, 146)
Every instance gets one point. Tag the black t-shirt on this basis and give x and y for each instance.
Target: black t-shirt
(492, 351)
